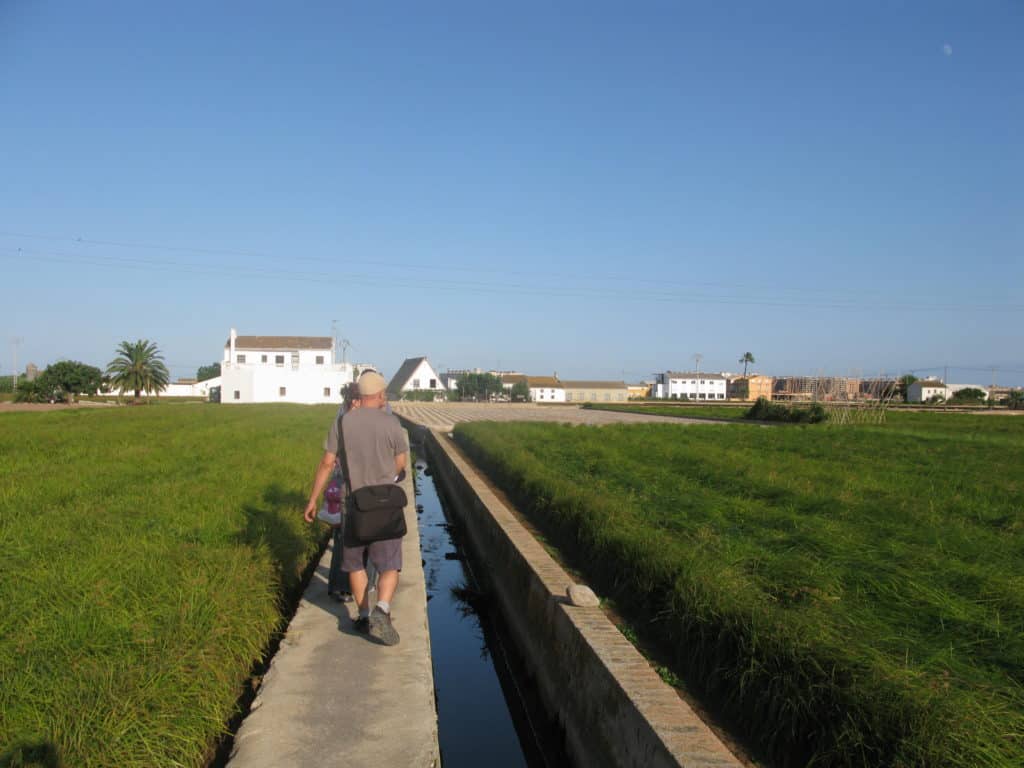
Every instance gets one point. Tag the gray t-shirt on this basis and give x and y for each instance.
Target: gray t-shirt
(373, 439)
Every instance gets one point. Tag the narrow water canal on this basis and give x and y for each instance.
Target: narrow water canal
(487, 713)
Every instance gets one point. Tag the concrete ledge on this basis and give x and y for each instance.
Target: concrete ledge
(614, 708)
(333, 698)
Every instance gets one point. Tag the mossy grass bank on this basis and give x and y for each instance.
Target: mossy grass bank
(848, 596)
(144, 553)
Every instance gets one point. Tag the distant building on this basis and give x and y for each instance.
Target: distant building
(416, 374)
(750, 387)
(595, 391)
(31, 372)
(924, 390)
(673, 385)
(280, 369)
(827, 388)
(450, 378)
(639, 391)
(543, 389)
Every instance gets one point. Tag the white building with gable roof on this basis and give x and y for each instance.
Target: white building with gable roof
(283, 369)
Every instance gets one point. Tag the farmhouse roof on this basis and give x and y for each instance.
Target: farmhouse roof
(513, 378)
(401, 378)
(594, 384)
(691, 375)
(929, 383)
(282, 342)
(543, 381)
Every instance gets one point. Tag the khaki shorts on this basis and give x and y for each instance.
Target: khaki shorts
(385, 555)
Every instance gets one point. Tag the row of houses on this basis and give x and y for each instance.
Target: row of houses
(416, 374)
(303, 369)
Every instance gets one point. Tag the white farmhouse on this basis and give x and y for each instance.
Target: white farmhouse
(673, 385)
(415, 374)
(283, 369)
(924, 390)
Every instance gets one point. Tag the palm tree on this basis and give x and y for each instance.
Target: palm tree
(139, 366)
(746, 359)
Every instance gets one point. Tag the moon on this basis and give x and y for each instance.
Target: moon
(947, 49)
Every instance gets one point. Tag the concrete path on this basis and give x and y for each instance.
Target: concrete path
(334, 698)
(445, 415)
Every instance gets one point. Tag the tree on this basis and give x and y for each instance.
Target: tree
(903, 386)
(969, 395)
(746, 360)
(520, 392)
(210, 371)
(31, 392)
(139, 366)
(479, 386)
(68, 378)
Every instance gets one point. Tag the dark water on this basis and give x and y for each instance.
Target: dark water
(488, 713)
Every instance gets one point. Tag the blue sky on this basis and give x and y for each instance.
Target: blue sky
(597, 189)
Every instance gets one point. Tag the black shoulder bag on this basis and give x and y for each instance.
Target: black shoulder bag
(376, 512)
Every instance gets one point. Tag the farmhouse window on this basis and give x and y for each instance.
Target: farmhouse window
(295, 360)
(433, 383)
(240, 358)
(327, 391)
(263, 358)
(282, 391)
(319, 359)
(607, 396)
(415, 383)
(238, 395)
(278, 359)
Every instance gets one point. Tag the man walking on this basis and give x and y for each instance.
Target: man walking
(374, 447)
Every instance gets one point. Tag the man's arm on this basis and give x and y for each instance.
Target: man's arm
(401, 460)
(323, 473)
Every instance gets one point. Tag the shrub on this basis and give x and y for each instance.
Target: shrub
(766, 410)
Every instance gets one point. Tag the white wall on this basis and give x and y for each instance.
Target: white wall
(421, 378)
(547, 394)
(262, 384)
(693, 387)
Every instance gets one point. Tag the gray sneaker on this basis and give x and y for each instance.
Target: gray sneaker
(381, 629)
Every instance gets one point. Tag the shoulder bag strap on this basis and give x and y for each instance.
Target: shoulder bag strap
(344, 454)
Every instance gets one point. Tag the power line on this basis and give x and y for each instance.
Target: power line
(434, 267)
(480, 287)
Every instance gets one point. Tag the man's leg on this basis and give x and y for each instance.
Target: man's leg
(386, 586)
(387, 556)
(352, 562)
(357, 581)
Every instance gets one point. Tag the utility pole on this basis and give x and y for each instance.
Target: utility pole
(992, 388)
(699, 358)
(15, 341)
(945, 387)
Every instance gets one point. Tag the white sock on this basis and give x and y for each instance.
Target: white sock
(386, 607)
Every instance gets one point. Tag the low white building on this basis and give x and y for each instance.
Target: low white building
(673, 385)
(416, 374)
(924, 390)
(282, 369)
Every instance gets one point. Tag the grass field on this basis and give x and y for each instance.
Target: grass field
(144, 553)
(680, 411)
(849, 596)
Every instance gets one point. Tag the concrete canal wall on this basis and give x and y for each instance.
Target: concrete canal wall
(614, 708)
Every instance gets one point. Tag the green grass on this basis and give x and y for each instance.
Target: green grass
(850, 596)
(715, 412)
(144, 554)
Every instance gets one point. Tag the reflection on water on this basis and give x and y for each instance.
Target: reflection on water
(477, 724)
